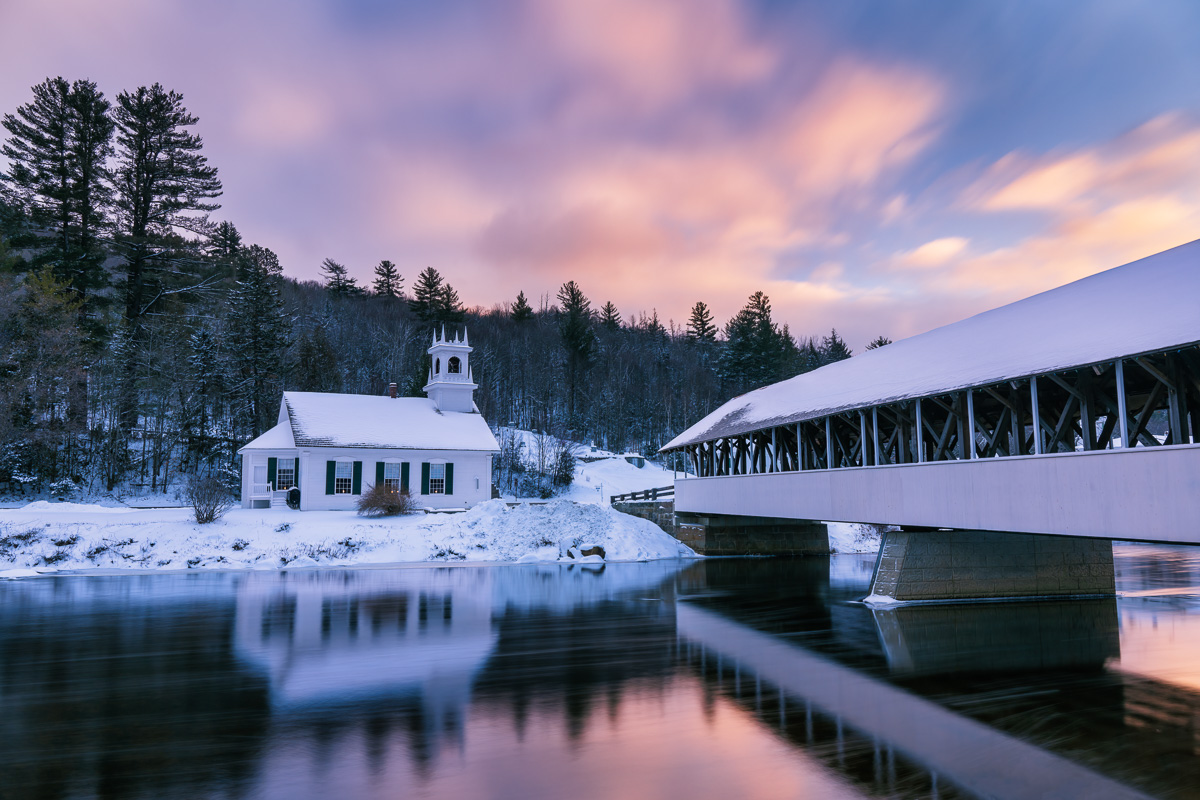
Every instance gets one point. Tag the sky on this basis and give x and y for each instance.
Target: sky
(882, 167)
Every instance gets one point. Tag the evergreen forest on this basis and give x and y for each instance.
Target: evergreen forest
(142, 339)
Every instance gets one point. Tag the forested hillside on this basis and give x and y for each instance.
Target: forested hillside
(141, 339)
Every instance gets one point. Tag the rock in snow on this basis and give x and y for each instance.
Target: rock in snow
(49, 536)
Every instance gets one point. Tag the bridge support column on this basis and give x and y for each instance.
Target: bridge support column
(730, 535)
(964, 565)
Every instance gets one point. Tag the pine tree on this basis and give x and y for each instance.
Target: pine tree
(225, 242)
(653, 326)
(338, 281)
(388, 282)
(427, 295)
(521, 310)
(575, 328)
(755, 351)
(208, 387)
(163, 183)
(42, 365)
(833, 348)
(877, 342)
(700, 327)
(449, 308)
(258, 338)
(317, 363)
(58, 150)
(610, 318)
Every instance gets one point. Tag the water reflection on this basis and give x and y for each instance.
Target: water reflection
(741, 677)
(998, 637)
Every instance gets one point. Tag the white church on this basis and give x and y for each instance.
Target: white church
(333, 447)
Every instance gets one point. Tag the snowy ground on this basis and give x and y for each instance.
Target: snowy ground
(599, 473)
(45, 536)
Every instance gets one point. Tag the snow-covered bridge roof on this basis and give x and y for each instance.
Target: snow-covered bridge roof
(1148, 305)
(318, 419)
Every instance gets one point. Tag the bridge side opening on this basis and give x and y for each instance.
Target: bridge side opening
(1140, 401)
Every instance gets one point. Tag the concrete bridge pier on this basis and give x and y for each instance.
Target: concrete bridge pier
(916, 565)
(737, 535)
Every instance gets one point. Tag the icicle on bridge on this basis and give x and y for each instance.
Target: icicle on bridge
(1073, 413)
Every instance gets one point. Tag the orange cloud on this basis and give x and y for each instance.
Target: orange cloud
(934, 253)
(860, 120)
(1104, 205)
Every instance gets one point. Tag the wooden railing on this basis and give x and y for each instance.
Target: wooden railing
(261, 489)
(662, 493)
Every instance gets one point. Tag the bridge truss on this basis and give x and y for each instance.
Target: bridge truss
(1147, 400)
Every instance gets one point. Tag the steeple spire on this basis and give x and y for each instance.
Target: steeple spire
(451, 383)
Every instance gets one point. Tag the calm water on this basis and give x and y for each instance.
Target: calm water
(755, 678)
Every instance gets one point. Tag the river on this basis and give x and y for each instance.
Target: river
(723, 678)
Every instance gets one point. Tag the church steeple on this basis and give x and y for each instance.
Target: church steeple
(451, 386)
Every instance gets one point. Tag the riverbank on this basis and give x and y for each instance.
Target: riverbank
(46, 537)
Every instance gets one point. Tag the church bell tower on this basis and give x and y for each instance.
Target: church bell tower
(450, 386)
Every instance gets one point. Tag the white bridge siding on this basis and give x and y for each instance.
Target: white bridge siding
(1143, 493)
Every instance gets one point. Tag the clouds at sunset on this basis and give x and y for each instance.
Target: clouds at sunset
(858, 168)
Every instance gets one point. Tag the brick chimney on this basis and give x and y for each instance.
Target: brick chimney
(392, 390)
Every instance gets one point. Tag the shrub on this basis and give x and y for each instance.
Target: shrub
(208, 497)
(381, 500)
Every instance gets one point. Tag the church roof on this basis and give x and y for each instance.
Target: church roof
(1142, 307)
(319, 419)
(278, 438)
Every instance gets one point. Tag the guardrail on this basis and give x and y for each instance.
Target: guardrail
(661, 493)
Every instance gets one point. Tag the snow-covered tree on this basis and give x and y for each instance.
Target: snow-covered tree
(877, 342)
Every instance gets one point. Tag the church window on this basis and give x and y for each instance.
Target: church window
(285, 474)
(344, 478)
(437, 478)
(391, 476)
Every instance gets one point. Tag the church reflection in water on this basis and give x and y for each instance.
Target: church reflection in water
(368, 681)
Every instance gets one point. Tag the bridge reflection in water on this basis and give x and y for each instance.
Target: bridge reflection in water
(747, 677)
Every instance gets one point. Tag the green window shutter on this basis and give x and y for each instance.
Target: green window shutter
(272, 466)
(297, 472)
(379, 473)
(424, 477)
(404, 477)
(357, 485)
(449, 479)
(330, 473)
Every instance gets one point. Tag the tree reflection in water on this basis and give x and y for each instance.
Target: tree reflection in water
(538, 681)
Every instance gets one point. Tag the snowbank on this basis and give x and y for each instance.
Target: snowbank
(49, 536)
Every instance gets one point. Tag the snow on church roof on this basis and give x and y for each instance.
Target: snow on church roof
(277, 438)
(319, 419)
(1141, 307)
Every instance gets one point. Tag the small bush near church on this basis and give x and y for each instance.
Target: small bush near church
(208, 497)
(382, 500)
